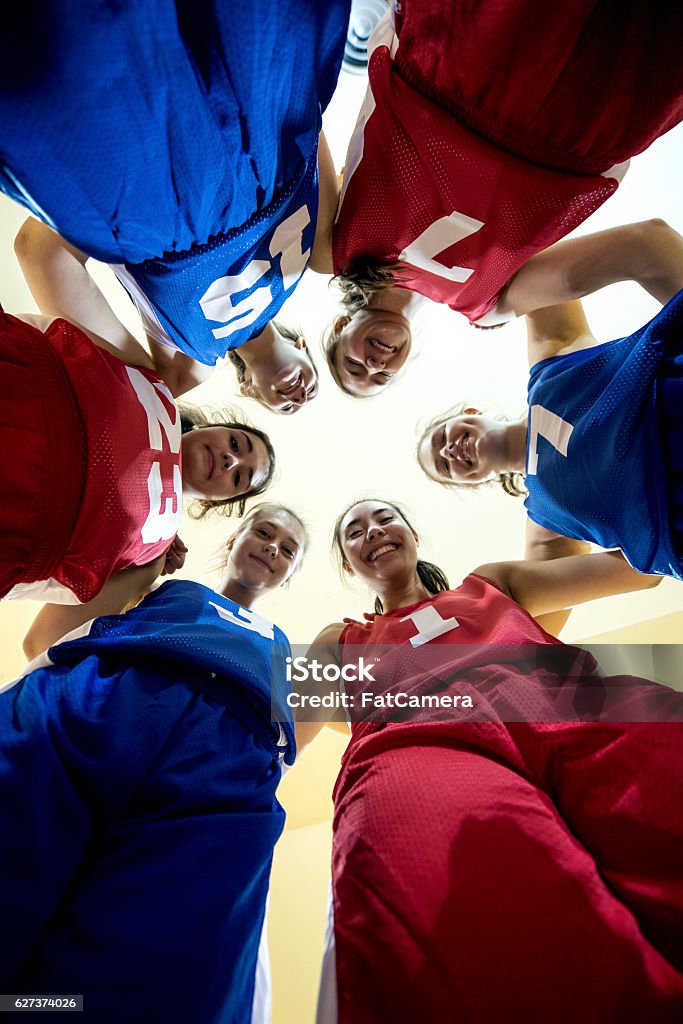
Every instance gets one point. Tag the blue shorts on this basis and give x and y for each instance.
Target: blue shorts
(142, 786)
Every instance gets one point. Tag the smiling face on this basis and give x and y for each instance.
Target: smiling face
(287, 380)
(377, 543)
(266, 551)
(373, 345)
(466, 449)
(223, 462)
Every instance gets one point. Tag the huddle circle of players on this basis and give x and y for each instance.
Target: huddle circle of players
(140, 755)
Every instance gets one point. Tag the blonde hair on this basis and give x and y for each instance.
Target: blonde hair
(512, 481)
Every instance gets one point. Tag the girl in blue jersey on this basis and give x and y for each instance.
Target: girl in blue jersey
(181, 143)
(600, 450)
(139, 761)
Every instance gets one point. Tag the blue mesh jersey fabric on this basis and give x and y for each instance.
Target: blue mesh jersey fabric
(616, 484)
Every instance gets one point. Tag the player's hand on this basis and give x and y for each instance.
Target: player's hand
(368, 616)
(175, 557)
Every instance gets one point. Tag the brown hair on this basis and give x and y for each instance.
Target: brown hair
(431, 576)
(512, 481)
(358, 283)
(291, 333)
(191, 417)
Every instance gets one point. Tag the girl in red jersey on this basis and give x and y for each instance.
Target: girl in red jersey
(490, 131)
(92, 441)
(512, 856)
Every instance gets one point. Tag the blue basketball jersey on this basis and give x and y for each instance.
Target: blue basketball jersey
(242, 653)
(219, 295)
(138, 812)
(595, 457)
(180, 139)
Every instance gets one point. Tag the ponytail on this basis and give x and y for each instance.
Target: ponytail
(431, 577)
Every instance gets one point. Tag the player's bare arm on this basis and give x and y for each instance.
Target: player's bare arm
(54, 621)
(557, 330)
(56, 275)
(328, 200)
(326, 650)
(649, 252)
(545, 545)
(543, 587)
(179, 372)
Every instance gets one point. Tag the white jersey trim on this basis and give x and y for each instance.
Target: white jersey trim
(150, 321)
(44, 660)
(494, 318)
(617, 171)
(327, 1011)
(49, 591)
(384, 35)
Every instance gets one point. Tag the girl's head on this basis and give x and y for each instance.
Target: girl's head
(367, 346)
(265, 552)
(225, 461)
(281, 375)
(375, 541)
(463, 447)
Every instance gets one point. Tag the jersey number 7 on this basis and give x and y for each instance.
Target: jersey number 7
(547, 424)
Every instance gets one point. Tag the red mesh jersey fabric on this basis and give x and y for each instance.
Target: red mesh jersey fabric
(492, 870)
(110, 475)
(483, 113)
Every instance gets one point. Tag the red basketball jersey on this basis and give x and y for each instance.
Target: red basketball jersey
(475, 613)
(471, 657)
(131, 500)
(461, 212)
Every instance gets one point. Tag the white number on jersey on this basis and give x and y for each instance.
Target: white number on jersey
(165, 511)
(216, 302)
(547, 424)
(441, 235)
(429, 625)
(248, 620)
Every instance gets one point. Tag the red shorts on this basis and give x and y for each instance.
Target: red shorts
(524, 873)
(42, 456)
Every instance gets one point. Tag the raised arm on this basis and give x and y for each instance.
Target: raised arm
(328, 200)
(543, 587)
(56, 275)
(649, 252)
(544, 545)
(54, 621)
(557, 330)
(326, 650)
(179, 372)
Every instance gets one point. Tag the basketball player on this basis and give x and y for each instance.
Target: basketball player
(491, 852)
(139, 761)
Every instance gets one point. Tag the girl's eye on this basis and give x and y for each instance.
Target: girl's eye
(386, 519)
(288, 552)
(237, 479)
(261, 532)
(354, 533)
(233, 443)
